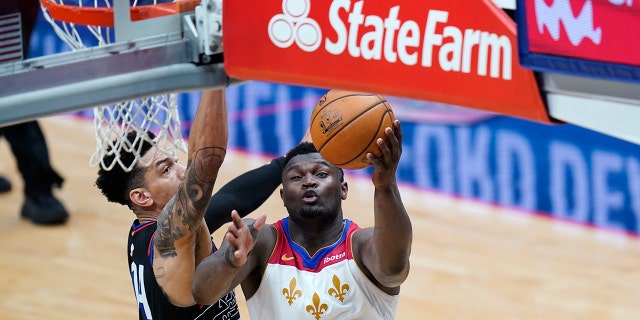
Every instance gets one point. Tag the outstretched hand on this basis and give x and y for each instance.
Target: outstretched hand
(241, 238)
(387, 165)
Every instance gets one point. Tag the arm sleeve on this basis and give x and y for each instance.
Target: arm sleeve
(244, 193)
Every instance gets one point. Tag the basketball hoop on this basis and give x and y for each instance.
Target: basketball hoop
(89, 23)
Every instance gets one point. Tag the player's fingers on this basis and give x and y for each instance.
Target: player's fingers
(246, 240)
(386, 145)
(232, 230)
(235, 225)
(258, 224)
(397, 130)
(234, 240)
(394, 138)
(236, 220)
(240, 243)
(373, 159)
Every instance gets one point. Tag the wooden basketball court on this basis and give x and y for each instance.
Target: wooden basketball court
(469, 260)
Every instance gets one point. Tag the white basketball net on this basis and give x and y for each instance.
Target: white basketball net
(158, 114)
(112, 123)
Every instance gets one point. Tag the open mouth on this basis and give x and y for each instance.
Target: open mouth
(310, 196)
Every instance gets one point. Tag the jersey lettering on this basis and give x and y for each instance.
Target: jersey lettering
(137, 276)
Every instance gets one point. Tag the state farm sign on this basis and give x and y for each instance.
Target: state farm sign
(444, 51)
(374, 38)
(599, 30)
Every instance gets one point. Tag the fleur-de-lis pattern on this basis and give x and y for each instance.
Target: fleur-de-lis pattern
(291, 293)
(339, 289)
(318, 291)
(317, 309)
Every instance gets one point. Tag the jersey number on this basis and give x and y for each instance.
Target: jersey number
(137, 276)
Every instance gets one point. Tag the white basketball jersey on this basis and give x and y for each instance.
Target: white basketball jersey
(329, 285)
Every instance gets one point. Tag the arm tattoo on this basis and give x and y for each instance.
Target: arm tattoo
(202, 173)
(166, 233)
(184, 212)
(159, 272)
(207, 162)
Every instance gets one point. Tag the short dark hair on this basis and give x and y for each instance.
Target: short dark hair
(116, 183)
(306, 148)
(301, 148)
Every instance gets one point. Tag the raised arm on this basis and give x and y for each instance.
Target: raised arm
(385, 248)
(181, 222)
(228, 267)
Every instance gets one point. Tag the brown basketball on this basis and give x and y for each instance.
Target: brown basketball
(345, 125)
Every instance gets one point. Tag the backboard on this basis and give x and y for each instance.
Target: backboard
(163, 54)
(443, 72)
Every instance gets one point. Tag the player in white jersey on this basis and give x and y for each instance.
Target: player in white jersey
(315, 264)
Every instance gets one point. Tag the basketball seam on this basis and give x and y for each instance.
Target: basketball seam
(347, 124)
(339, 98)
(332, 101)
(355, 118)
(368, 144)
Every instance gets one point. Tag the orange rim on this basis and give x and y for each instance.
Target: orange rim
(92, 16)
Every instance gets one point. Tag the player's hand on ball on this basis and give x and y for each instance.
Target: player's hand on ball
(385, 167)
(345, 125)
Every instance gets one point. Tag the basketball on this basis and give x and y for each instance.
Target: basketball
(345, 125)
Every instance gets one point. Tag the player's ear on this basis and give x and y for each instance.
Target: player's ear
(344, 190)
(141, 197)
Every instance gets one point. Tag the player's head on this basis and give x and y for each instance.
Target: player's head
(312, 187)
(306, 148)
(116, 183)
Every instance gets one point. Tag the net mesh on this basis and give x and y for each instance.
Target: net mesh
(158, 114)
(112, 123)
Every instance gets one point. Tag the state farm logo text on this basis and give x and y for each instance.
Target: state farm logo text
(393, 40)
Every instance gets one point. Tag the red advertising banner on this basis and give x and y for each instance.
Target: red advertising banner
(598, 30)
(456, 52)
